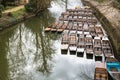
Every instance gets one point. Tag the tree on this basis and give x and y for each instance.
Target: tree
(1, 9)
(37, 5)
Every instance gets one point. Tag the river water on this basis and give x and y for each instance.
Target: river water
(27, 53)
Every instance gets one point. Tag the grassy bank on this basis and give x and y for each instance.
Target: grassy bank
(11, 18)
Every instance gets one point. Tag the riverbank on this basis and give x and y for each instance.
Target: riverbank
(109, 17)
(13, 17)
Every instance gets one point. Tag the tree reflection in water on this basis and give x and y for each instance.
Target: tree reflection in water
(31, 49)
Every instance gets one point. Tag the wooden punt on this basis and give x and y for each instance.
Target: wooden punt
(106, 47)
(65, 13)
(48, 28)
(65, 43)
(100, 71)
(93, 21)
(80, 26)
(61, 18)
(83, 14)
(98, 49)
(59, 28)
(81, 45)
(73, 44)
(66, 17)
(113, 68)
(85, 27)
(99, 31)
(89, 46)
(54, 25)
(75, 15)
(75, 26)
(80, 10)
(70, 17)
(92, 31)
(80, 17)
(64, 25)
(69, 26)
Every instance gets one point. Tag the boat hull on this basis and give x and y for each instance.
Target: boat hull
(80, 52)
(64, 48)
(98, 58)
(113, 68)
(72, 50)
(89, 55)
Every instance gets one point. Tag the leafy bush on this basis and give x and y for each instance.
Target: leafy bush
(116, 4)
(29, 8)
(1, 9)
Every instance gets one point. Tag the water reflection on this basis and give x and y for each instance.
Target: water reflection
(27, 53)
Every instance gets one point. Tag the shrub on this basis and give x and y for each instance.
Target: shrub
(1, 9)
(116, 4)
(29, 8)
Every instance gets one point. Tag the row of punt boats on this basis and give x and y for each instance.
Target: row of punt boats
(60, 26)
(81, 43)
(81, 36)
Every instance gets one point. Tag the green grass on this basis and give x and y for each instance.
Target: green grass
(19, 12)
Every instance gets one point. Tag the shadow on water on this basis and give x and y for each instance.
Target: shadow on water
(4, 42)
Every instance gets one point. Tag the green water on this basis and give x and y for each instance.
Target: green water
(28, 53)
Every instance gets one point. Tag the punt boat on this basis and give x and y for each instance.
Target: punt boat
(47, 28)
(63, 26)
(81, 45)
(69, 26)
(80, 27)
(75, 26)
(59, 28)
(99, 30)
(98, 49)
(73, 43)
(86, 29)
(92, 31)
(106, 47)
(54, 25)
(100, 71)
(113, 68)
(65, 42)
(89, 46)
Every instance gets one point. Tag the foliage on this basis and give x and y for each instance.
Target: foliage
(116, 4)
(37, 5)
(29, 8)
(1, 9)
(18, 13)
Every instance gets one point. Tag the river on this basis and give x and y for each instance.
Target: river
(28, 53)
